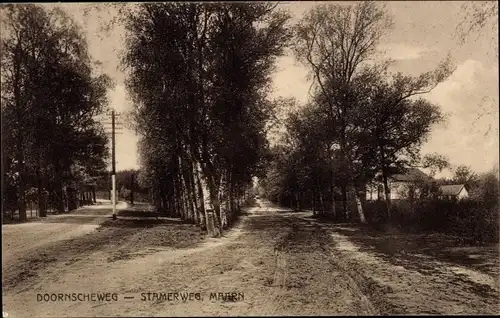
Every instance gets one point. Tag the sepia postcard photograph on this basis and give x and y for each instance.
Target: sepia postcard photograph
(253, 158)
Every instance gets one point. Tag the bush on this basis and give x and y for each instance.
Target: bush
(125, 193)
(375, 211)
(472, 219)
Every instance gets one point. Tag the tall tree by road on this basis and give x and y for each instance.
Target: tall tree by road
(198, 73)
(334, 42)
(50, 96)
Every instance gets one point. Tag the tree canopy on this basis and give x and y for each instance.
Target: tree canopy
(50, 97)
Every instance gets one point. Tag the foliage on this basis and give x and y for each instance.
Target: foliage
(435, 162)
(199, 75)
(360, 120)
(471, 220)
(50, 96)
(464, 175)
(476, 17)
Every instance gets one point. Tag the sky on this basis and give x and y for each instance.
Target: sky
(423, 34)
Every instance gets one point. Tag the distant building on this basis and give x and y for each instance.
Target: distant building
(454, 191)
(400, 185)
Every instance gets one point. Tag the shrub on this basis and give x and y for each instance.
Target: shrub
(125, 193)
(375, 211)
(472, 219)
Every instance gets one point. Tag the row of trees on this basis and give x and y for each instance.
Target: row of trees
(50, 95)
(198, 75)
(361, 118)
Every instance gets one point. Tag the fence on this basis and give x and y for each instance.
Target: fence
(11, 211)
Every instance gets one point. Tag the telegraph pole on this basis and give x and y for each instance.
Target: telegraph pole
(132, 182)
(113, 134)
(113, 163)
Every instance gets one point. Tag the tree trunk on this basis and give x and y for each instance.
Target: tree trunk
(359, 206)
(321, 203)
(387, 191)
(202, 212)
(188, 196)
(332, 189)
(175, 200)
(227, 213)
(297, 202)
(313, 202)
(188, 203)
(214, 199)
(94, 196)
(192, 195)
(41, 195)
(158, 201)
(217, 213)
(58, 187)
(232, 207)
(21, 167)
(344, 203)
(181, 196)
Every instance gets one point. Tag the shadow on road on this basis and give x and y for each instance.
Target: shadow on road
(116, 238)
(413, 250)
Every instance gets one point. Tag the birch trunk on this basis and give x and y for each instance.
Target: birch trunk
(332, 189)
(360, 207)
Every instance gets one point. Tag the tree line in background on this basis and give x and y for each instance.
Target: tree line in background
(362, 121)
(50, 95)
(199, 75)
(129, 185)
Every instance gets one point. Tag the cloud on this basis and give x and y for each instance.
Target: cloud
(470, 97)
(400, 51)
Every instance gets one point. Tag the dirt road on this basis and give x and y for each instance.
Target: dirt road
(273, 262)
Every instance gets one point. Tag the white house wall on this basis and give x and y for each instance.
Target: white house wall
(399, 191)
(463, 194)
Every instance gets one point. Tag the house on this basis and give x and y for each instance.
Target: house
(454, 191)
(400, 185)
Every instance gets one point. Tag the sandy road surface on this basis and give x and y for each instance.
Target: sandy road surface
(277, 262)
(417, 274)
(54, 228)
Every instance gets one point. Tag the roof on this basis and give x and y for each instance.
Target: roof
(451, 189)
(411, 175)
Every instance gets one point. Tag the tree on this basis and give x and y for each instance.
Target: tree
(335, 42)
(49, 98)
(464, 175)
(477, 19)
(208, 125)
(435, 162)
(398, 124)
(476, 16)
(378, 124)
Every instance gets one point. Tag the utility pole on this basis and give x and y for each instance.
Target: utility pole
(132, 182)
(113, 134)
(113, 163)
